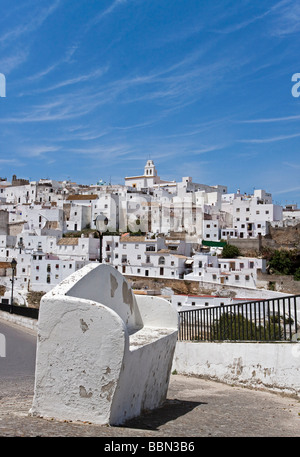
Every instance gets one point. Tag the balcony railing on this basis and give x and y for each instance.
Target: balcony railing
(274, 319)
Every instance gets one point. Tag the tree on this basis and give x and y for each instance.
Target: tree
(297, 274)
(281, 262)
(231, 326)
(230, 252)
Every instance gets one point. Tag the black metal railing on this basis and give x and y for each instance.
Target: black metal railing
(262, 320)
(25, 311)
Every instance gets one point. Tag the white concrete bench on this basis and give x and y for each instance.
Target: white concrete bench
(103, 354)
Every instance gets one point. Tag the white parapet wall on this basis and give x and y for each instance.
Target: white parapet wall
(103, 355)
(23, 321)
(271, 366)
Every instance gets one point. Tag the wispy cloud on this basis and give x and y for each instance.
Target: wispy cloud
(286, 191)
(69, 82)
(104, 13)
(295, 166)
(10, 63)
(50, 68)
(241, 25)
(270, 139)
(278, 8)
(287, 18)
(30, 24)
(271, 119)
(38, 150)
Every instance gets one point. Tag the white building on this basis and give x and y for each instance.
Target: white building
(48, 271)
(145, 181)
(290, 216)
(182, 302)
(238, 272)
(251, 214)
(142, 256)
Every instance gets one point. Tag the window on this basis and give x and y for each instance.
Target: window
(237, 278)
(48, 279)
(161, 261)
(150, 248)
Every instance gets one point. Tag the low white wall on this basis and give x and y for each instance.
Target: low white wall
(19, 320)
(272, 366)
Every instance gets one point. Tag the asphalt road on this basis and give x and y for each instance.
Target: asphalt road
(20, 350)
(194, 407)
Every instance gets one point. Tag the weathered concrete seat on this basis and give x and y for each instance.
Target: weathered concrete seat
(103, 354)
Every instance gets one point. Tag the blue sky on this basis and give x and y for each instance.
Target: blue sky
(95, 88)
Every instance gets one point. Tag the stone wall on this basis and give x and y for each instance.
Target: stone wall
(279, 283)
(180, 286)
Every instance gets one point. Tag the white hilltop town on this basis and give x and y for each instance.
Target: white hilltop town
(166, 237)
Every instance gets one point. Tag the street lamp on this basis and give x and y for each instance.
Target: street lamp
(101, 223)
(13, 272)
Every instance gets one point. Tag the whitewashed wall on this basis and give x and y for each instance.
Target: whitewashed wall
(272, 366)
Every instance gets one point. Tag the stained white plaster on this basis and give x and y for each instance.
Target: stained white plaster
(102, 355)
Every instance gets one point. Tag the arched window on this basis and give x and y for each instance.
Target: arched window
(161, 261)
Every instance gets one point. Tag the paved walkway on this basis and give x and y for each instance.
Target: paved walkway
(194, 408)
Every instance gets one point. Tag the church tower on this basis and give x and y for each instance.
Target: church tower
(150, 170)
